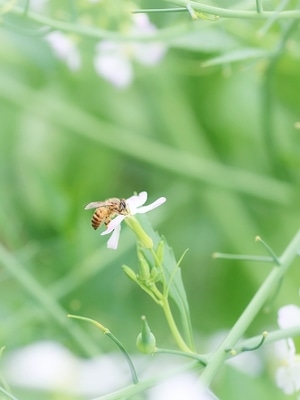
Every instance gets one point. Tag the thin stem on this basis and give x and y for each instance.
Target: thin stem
(269, 250)
(159, 10)
(267, 107)
(259, 6)
(45, 300)
(166, 306)
(173, 327)
(271, 338)
(230, 13)
(163, 34)
(108, 333)
(257, 302)
(242, 257)
(126, 355)
(258, 345)
(129, 392)
(201, 358)
(7, 394)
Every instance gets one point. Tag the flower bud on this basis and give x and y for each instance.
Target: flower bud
(156, 274)
(130, 273)
(144, 272)
(146, 342)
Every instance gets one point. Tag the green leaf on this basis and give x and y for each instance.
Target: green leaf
(208, 39)
(173, 275)
(236, 56)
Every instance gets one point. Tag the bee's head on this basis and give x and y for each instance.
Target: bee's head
(123, 208)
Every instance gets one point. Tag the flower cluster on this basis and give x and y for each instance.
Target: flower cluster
(113, 59)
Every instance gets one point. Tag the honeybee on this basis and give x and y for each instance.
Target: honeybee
(107, 210)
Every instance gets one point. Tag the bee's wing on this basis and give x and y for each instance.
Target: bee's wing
(95, 204)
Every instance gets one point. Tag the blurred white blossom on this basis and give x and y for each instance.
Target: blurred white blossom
(288, 316)
(114, 60)
(65, 49)
(288, 373)
(179, 387)
(48, 366)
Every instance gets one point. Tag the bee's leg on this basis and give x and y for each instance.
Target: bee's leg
(107, 221)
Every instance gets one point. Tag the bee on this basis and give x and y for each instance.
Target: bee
(107, 210)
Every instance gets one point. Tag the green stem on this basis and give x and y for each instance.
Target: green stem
(259, 7)
(126, 355)
(201, 358)
(243, 257)
(257, 302)
(45, 300)
(108, 333)
(230, 13)
(268, 109)
(164, 302)
(7, 394)
(159, 10)
(132, 391)
(269, 250)
(271, 338)
(173, 327)
(163, 34)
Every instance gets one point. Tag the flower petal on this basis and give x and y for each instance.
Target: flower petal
(149, 207)
(111, 64)
(136, 201)
(113, 224)
(65, 49)
(113, 241)
(288, 377)
(285, 349)
(288, 316)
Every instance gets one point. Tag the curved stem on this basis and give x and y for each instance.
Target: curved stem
(230, 13)
(162, 34)
(173, 327)
(108, 333)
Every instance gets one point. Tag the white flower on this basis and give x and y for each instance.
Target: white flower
(113, 60)
(288, 374)
(135, 206)
(50, 368)
(65, 49)
(288, 316)
(184, 386)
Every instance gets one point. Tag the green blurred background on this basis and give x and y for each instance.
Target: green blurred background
(220, 140)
